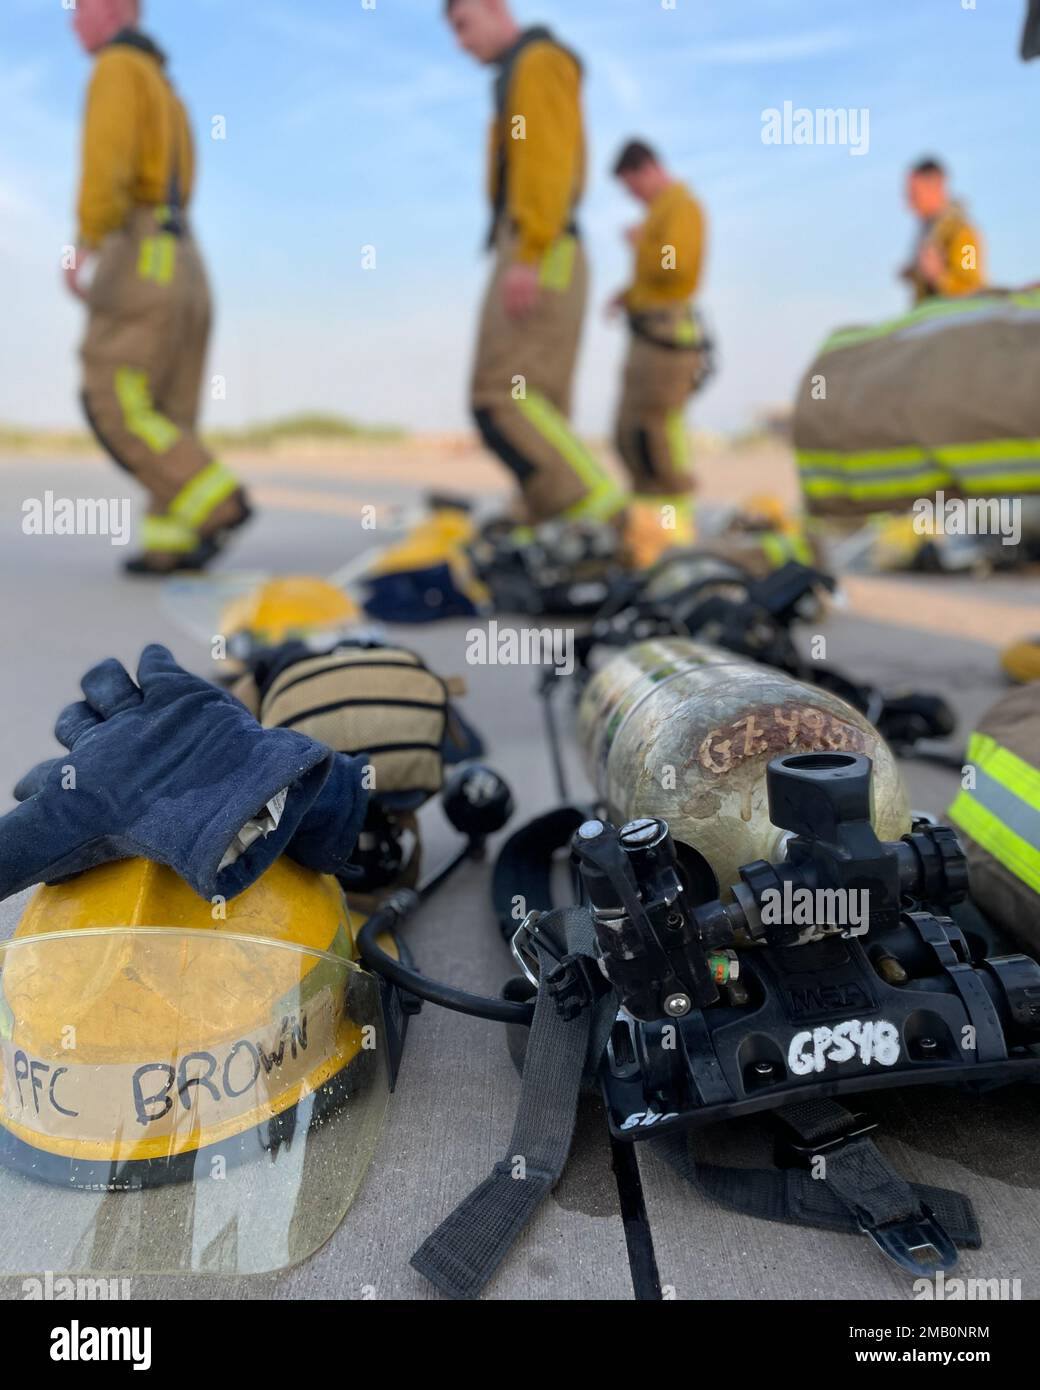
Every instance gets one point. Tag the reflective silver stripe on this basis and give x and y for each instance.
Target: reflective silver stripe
(1009, 809)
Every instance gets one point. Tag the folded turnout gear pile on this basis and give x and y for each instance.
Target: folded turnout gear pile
(941, 399)
(428, 576)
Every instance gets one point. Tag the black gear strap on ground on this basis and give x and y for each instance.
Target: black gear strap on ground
(858, 1191)
(465, 1250)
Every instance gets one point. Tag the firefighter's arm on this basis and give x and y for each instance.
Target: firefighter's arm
(963, 271)
(543, 148)
(109, 149)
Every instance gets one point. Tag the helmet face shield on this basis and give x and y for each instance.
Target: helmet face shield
(176, 1101)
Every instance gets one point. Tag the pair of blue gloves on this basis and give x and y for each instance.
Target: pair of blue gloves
(172, 769)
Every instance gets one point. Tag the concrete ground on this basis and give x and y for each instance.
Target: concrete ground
(449, 1120)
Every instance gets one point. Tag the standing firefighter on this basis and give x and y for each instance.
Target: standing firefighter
(149, 303)
(531, 322)
(666, 357)
(947, 256)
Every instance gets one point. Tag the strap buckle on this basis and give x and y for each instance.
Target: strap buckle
(574, 984)
(793, 1150)
(523, 950)
(918, 1244)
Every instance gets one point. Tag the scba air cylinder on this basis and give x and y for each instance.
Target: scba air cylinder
(685, 731)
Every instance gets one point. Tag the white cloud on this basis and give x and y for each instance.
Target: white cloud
(776, 50)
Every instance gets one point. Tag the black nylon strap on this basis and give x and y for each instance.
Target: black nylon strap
(465, 1250)
(523, 868)
(859, 1186)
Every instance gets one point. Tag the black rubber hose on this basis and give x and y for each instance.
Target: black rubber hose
(385, 919)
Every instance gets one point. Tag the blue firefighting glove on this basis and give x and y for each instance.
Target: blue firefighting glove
(175, 770)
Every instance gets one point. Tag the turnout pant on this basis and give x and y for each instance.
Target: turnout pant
(521, 389)
(143, 358)
(660, 376)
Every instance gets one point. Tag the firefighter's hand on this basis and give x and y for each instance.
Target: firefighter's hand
(930, 264)
(615, 305)
(74, 273)
(520, 290)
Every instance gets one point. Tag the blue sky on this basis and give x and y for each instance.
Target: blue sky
(350, 126)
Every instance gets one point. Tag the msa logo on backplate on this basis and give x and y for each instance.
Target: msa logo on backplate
(872, 1042)
(814, 1000)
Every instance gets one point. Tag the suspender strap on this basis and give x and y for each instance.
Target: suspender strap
(465, 1250)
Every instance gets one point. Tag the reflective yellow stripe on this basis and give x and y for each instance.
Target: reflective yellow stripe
(891, 487)
(994, 465)
(166, 258)
(157, 258)
(987, 450)
(943, 308)
(678, 441)
(801, 550)
(778, 548)
(1017, 855)
(146, 258)
(599, 505)
(988, 484)
(139, 414)
(868, 459)
(905, 472)
(774, 549)
(688, 333)
(202, 494)
(988, 467)
(557, 266)
(604, 497)
(1005, 767)
(167, 534)
(1004, 802)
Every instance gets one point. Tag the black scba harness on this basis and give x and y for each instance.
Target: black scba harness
(687, 1009)
(172, 219)
(537, 33)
